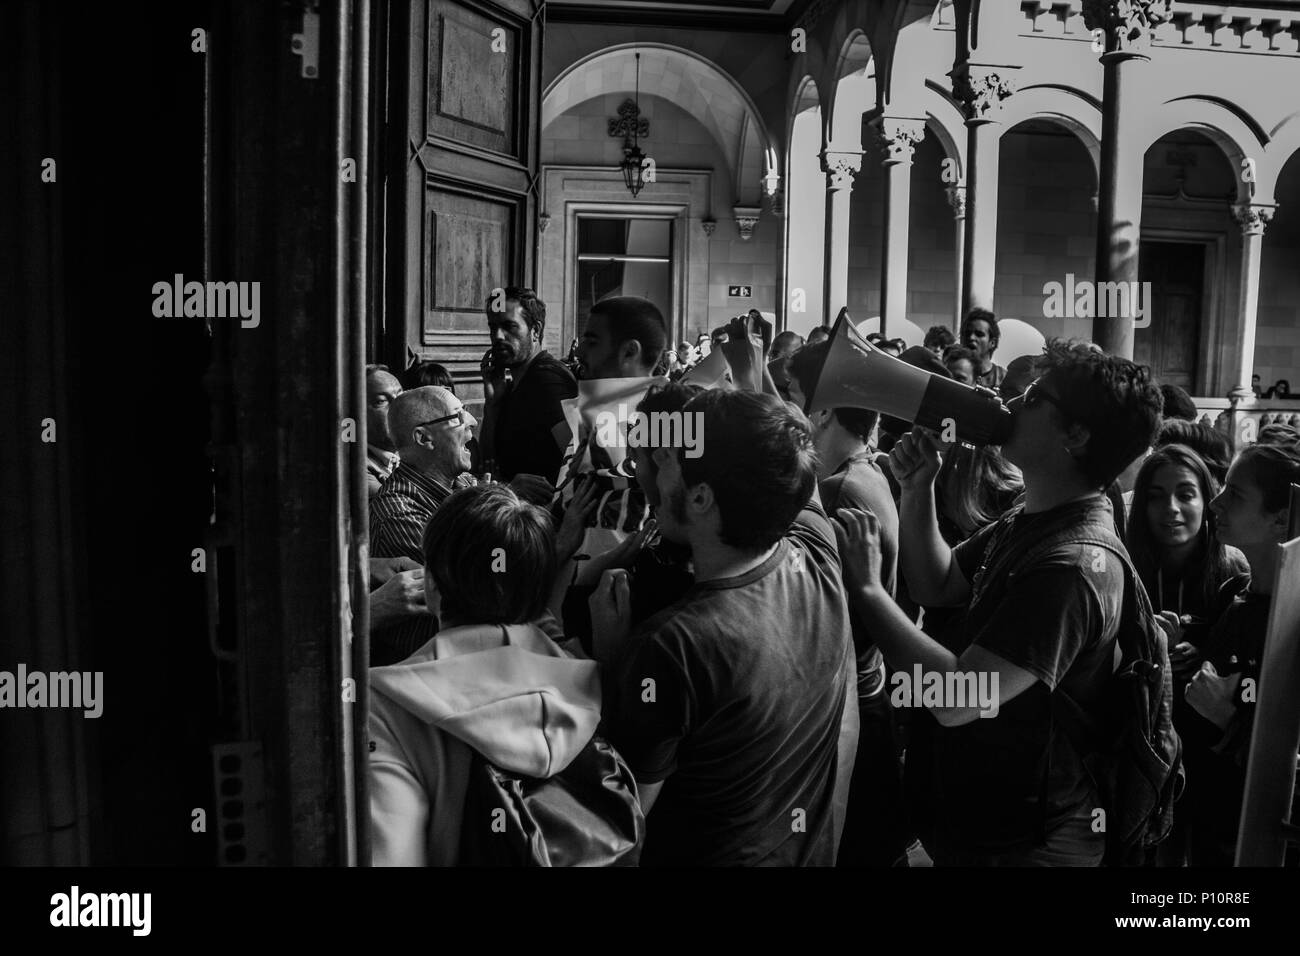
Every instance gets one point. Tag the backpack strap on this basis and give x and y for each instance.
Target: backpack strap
(1083, 731)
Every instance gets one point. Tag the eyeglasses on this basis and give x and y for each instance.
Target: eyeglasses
(457, 418)
(1035, 393)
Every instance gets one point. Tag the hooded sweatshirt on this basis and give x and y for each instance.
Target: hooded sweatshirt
(508, 692)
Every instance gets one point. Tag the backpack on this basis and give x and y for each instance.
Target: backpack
(1131, 751)
(588, 814)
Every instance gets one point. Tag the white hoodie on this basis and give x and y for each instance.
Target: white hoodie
(508, 692)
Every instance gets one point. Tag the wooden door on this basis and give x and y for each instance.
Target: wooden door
(462, 158)
(1176, 271)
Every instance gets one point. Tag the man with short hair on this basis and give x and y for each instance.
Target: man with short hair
(1045, 586)
(979, 333)
(382, 387)
(785, 345)
(819, 334)
(431, 429)
(961, 363)
(624, 338)
(731, 705)
(524, 431)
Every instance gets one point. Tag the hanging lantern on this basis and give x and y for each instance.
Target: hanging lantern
(633, 164)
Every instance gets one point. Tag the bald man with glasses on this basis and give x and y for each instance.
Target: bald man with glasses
(432, 430)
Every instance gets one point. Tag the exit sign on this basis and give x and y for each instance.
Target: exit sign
(738, 291)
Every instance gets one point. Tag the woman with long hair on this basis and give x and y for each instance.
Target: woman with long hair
(975, 487)
(1190, 575)
(1172, 540)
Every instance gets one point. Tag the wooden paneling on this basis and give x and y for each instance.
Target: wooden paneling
(462, 159)
(469, 244)
(1176, 273)
(471, 86)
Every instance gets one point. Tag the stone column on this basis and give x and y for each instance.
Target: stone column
(898, 137)
(1253, 218)
(840, 166)
(957, 199)
(1127, 26)
(982, 89)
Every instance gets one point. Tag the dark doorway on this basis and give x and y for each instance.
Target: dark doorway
(1176, 271)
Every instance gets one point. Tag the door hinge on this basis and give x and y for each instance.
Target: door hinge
(307, 43)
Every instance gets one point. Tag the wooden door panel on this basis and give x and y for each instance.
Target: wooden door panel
(1169, 344)
(468, 253)
(472, 96)
(463, 143)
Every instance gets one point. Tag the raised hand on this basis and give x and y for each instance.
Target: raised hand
(858, 534)
(623, 556)
(915, 460)
(576, 517)
(611, 614)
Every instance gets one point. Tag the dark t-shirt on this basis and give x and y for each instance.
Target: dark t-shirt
(523, 435)
(1058, 621)
(749, 681)
(859, 483)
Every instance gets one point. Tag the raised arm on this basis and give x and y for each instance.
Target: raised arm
(932, 574)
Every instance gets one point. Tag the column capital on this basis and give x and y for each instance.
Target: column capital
(897, 136)
(1253, 217)
(957, 200)
(746, 220)
(1127, 24)
(983, 89)
(841, 166)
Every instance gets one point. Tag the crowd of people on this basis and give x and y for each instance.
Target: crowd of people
(744, 640)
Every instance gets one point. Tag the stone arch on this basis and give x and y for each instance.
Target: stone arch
(851, 92)
(1234, 132)
(1063, 106)
(945, 121)
(696, 84)
(1283, 143)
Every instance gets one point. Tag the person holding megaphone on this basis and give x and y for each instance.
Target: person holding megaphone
(1043, 589)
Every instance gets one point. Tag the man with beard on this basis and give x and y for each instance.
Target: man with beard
(732, 704)
(624, 338)
(524, 431)
(979, 333)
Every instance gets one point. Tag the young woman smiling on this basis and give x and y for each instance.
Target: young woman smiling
(1190, 575)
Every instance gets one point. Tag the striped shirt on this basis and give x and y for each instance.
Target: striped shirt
(398, 515)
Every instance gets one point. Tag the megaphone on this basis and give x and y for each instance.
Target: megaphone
(856, 374)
